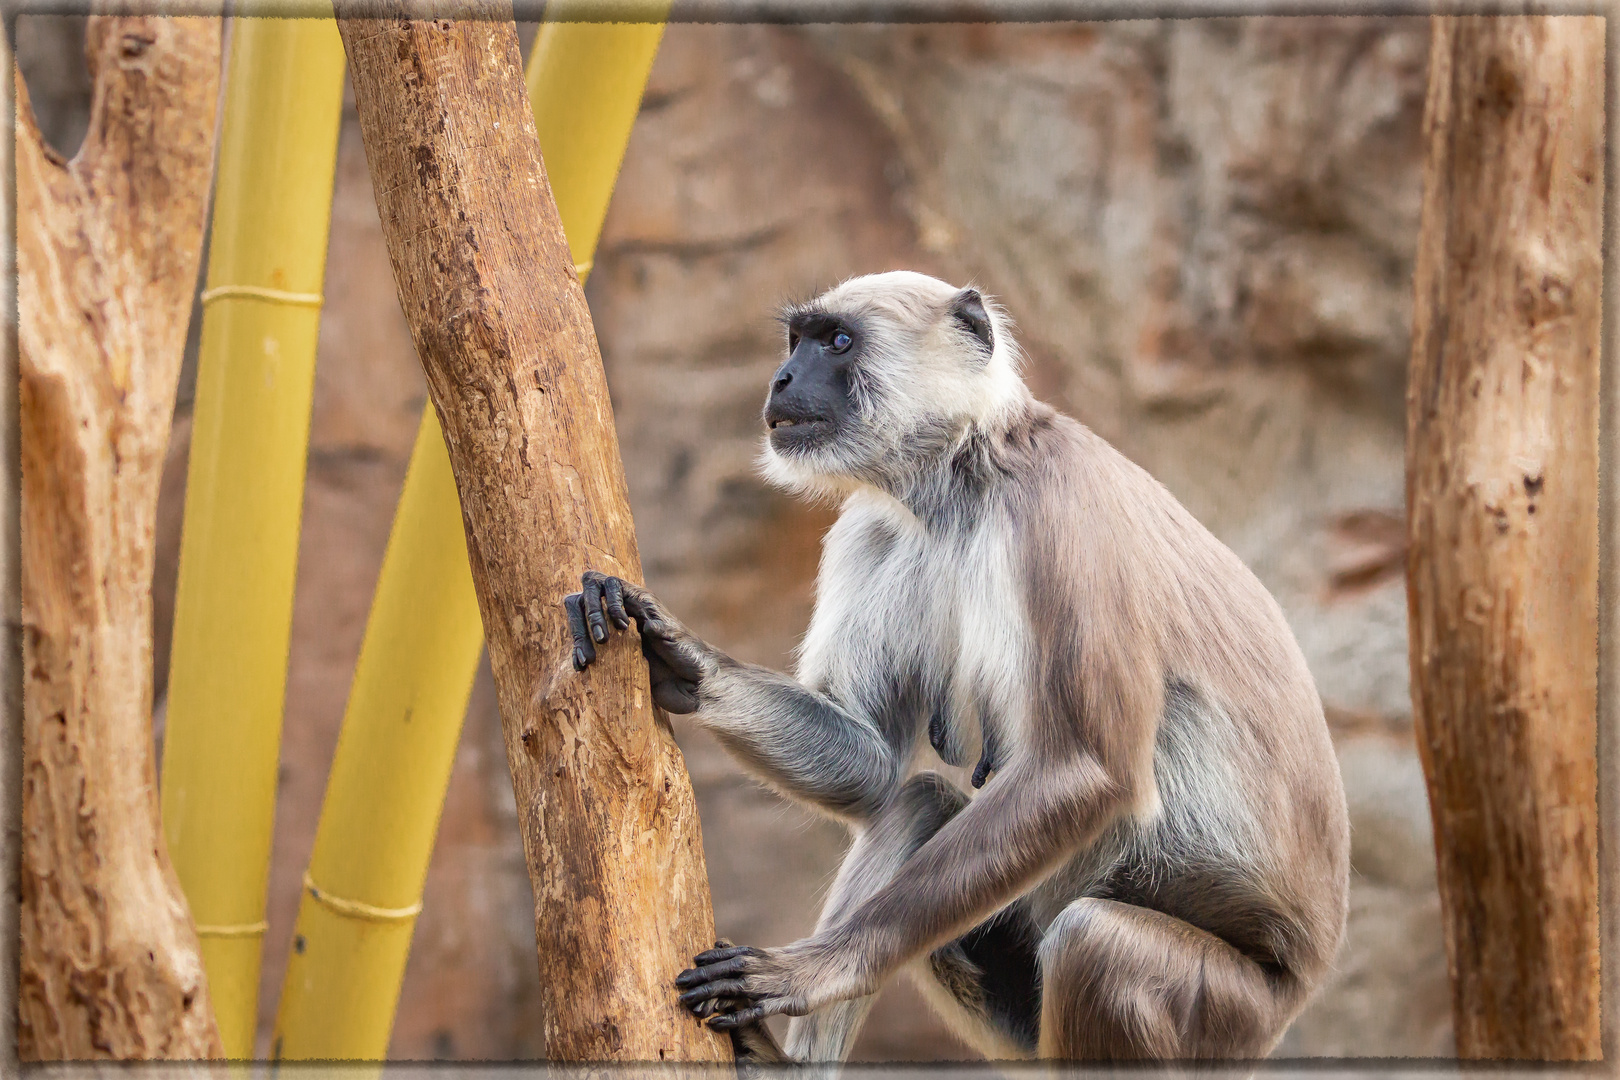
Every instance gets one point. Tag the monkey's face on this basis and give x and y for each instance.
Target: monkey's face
(811, 401)
(883, 373)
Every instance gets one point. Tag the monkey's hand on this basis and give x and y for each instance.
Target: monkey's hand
(737, 986)
(677, 659)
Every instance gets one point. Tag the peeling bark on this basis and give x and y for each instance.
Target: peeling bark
(610, 828)
(108, 247)
(1502, 487)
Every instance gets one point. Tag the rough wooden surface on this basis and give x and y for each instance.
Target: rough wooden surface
(10, 571)
(610, 829)
(107, 248)
(1502, 449)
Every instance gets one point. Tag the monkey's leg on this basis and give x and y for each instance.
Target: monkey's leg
(987, 984)
(1036, 810)
(1124, 982)
(922, 807)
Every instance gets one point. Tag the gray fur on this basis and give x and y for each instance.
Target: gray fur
(1157, 863)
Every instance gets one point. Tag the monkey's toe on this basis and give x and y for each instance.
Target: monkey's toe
(705, 1009)
(720, 983)
(723, 950)
(730, 1021)
(721, 989)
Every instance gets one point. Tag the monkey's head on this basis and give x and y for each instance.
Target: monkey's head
(883, 373)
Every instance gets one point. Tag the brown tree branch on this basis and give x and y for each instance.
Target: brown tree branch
(610, 828)
(107, 253)
(1502, 488)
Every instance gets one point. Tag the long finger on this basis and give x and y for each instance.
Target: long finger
(593, 588)
(584, 651)
(613, 600)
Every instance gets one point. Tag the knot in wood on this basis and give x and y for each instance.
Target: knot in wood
(1542, 282)
(1502, 89)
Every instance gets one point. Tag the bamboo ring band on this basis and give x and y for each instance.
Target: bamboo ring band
(357, 909)
(251, 929)
(258, 292)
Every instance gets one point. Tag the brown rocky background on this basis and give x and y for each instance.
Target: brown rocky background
(1204, 230)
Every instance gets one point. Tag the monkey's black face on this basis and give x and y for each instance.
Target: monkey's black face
(811, 401)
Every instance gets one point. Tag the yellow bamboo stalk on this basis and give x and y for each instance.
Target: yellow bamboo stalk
(585, 83)
(245, 489)
(423, 637)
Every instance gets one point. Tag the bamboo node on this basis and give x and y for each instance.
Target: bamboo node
(358, 909)
(249, 929)
(259, 292)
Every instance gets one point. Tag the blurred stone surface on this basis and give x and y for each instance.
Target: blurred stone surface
(1204, 230)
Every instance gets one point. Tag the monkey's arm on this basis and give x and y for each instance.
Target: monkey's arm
(803, 743)
(1026, 820)
(800, 742)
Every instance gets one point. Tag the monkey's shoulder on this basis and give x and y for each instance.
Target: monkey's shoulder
(1084, 511)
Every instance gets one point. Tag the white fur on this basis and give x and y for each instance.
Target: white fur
(916, 366)
(947, 603)
(993, 646)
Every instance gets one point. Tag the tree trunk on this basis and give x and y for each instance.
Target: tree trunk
(610, 828)
(10, 571)
(1502, 486)
(107, 252)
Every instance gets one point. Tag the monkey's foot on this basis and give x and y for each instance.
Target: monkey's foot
(735, 987)
(752, 1043)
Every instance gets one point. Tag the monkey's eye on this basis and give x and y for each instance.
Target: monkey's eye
(840, 342)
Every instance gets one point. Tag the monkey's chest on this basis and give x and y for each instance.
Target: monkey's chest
(924, 630)
(984, 656)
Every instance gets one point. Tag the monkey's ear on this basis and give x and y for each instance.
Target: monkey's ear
(967, 308)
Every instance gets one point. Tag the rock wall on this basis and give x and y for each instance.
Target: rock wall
(1204, 230)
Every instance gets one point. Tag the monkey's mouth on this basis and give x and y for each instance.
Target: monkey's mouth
(797, 432)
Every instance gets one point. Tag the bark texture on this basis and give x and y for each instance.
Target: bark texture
(107, 249)
(609, 824)
(1502, 408)
(10, 570)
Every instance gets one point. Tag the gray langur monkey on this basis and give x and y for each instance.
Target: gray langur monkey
(1155, 863)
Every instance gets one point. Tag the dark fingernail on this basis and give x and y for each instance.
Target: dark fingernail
(579, 660)
(599, 632)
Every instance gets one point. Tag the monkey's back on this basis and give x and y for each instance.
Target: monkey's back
(1249, 837)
